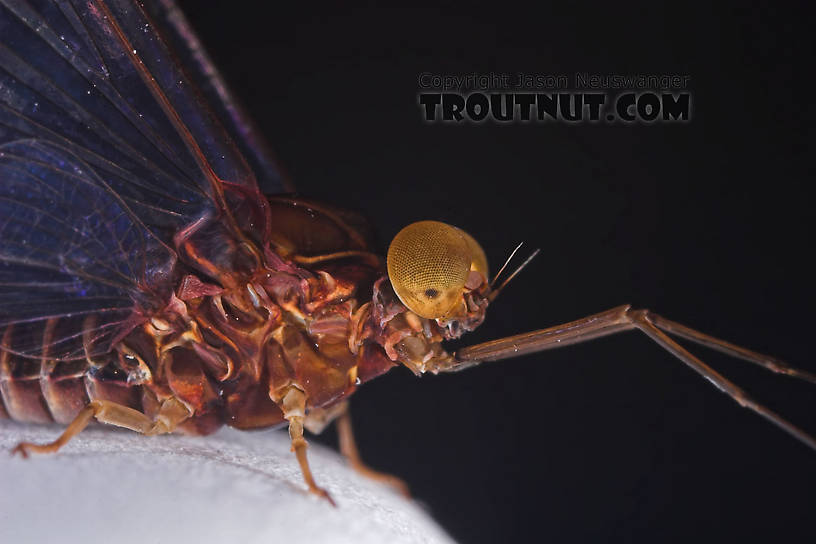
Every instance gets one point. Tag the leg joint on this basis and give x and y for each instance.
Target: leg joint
(639, 316)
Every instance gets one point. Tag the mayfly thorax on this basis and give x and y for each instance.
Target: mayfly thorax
(146, 281)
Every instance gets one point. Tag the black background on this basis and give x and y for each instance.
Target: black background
(709, 223)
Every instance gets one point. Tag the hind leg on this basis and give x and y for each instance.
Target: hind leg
(171, 414)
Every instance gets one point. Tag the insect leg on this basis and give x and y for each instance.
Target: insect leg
(314, 259)
(104, 411)
(348, 447)
(294, 410)
(643, 322)
(738, 352)
(580, 330)
(171, 413)
(624, 318)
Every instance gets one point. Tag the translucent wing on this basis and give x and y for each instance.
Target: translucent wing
(75, 261)
(107, 150)
(176, 30)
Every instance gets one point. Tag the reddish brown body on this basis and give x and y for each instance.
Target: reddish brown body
(230, 351)
(145, 282)
(225, 352)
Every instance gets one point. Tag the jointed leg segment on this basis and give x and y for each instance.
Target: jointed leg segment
(623, 318)
(294, 410)
(171, 413)
(319, 418)
(348, 447)
(769, 363)
(643, 321)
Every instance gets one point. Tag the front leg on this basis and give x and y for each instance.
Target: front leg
(621, 319)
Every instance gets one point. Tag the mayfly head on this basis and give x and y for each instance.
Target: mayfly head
(432, 266)
(437, 289)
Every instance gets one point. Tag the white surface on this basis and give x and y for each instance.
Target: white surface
(117, 486)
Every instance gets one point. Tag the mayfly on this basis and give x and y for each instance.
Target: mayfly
(147, 282)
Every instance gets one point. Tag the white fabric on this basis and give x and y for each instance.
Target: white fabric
(117, 486)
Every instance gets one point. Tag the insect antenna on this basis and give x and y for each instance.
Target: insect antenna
(506, 262)
(498, 290)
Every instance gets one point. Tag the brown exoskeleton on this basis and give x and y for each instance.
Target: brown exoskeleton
(296, 336)
(146, 282)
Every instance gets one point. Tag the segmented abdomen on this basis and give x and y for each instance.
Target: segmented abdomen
(45, 390)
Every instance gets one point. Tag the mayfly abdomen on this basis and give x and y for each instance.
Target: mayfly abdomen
(48, 390)
(20, 389)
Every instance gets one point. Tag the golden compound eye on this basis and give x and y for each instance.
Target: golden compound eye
(479, 263)
(428, 265)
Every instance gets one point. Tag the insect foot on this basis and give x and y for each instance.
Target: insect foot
(22, 449)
